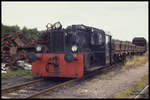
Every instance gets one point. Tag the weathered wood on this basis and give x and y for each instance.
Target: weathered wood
(14, 46)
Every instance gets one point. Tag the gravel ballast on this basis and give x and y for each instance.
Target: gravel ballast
(101, 88)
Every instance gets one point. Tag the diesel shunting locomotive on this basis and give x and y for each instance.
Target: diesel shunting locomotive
(72, 51)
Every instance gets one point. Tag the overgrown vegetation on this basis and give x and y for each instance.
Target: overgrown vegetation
(131, 92)
(139, 84)
(132, 62)
(29, 77)
(105, 76)
(136, 61)
(14, 73)
(34, 33)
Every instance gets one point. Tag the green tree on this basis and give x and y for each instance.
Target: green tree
(7, 29)
(34, 33)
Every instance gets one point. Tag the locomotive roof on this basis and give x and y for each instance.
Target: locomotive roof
(83, 27)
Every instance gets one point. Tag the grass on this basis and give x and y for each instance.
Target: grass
(132, 62)
(29, 77)
(14, 73)
(104, 76)
(136, 61)
(139, 84)
(131, 92)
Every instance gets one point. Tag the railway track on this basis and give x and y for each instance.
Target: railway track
(34, 90)
(28, 89)
(143, 94)
(5, 90)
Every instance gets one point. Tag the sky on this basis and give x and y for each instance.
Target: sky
(123, 20)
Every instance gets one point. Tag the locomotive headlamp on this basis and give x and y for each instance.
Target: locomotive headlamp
(74, 48)
(38, 48)
(57, 25)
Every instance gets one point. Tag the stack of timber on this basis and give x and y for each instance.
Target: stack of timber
(14, 47)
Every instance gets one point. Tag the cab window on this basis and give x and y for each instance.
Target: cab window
(96, 39)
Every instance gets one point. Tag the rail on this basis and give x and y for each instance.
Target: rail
(143, 93)
(38, 93)
(5, 90)
(68, 82)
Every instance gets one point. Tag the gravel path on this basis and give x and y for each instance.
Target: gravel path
(101, 88)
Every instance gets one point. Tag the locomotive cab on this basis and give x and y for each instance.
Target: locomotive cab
(100, 55)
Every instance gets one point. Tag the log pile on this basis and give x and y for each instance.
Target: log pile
(15, 46)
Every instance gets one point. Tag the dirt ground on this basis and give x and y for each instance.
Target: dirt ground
(101, 88)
